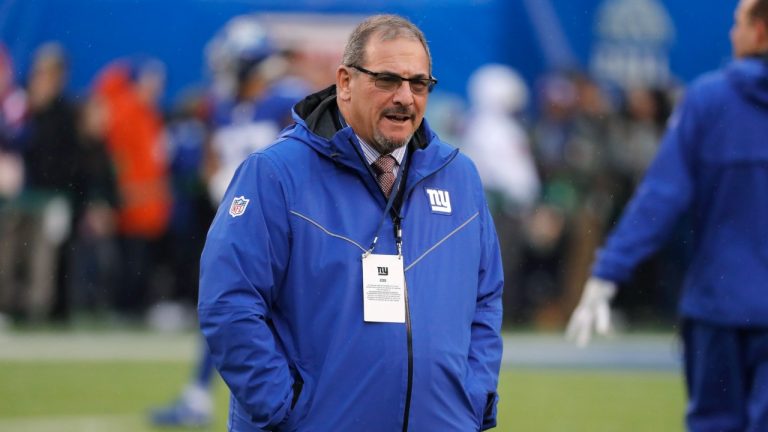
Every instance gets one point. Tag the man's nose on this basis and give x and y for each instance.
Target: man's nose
(403, 94)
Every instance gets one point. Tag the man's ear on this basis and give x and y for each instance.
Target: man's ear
(761, 34)
(343, 83)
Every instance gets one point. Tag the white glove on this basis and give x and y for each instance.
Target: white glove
(593, 310)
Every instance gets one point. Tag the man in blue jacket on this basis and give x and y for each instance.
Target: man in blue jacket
(713, 165)
(351, 280)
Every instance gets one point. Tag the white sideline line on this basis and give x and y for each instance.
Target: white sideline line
(661, 352)
(624, 352)
(98, 346)
(111, 423)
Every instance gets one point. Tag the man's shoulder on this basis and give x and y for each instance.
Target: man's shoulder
(459, 165)
(464, 162)
(459, 160)
(708, 82)
(288, 145)
(719, 81)
(739, 80)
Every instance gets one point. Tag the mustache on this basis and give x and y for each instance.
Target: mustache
(398, 110)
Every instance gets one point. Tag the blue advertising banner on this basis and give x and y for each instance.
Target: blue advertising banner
(644, 41)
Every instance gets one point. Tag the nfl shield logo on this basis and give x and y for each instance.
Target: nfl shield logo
(238, 206)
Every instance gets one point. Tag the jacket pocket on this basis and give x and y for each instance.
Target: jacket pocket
(483, 405)
(478, 404)
(488, 418)
(302, 392)
(476, 400)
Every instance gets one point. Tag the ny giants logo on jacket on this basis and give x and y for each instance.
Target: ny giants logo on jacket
(439, 200)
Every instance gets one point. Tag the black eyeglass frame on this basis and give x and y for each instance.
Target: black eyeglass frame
(431, 81)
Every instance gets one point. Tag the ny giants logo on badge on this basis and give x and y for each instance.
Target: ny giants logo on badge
(439, 200)
(238, 206)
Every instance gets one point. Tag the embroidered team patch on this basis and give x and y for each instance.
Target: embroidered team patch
(439, 201)
(238, 206)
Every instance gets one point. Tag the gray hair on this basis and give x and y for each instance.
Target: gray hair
(387, 27)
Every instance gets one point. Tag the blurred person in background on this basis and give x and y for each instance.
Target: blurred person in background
(554, 123)
(571, 143)
(49, 146)
(596, 185)
(281, 273)
(251, 118)
(191, 214)
(635, 136)
(542, 271)
(94, 260)
(497, 142)
(13, 107)
(713, 163)
(130, 89)
(267, 85)
(188, 136)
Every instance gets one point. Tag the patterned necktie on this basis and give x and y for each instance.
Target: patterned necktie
(384, 167)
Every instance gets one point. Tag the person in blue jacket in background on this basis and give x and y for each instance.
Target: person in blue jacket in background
(712, 165)
(351, 279)
(254, 87)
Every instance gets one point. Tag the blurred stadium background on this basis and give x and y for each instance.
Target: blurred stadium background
(593, 83)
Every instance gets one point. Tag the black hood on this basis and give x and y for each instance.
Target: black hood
(320, 112)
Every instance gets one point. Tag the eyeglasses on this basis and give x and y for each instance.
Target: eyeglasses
(391, 82)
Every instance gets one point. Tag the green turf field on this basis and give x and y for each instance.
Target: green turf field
(111, 395)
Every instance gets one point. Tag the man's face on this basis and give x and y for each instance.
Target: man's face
(746, 31)
(386, 119)
(46, 81)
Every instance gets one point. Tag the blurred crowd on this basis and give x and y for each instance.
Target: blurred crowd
(105, 199)
(558, 168)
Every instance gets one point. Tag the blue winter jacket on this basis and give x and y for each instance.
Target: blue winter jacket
(712, 162)
(281, 303)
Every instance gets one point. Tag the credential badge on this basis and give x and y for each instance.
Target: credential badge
(238, 206)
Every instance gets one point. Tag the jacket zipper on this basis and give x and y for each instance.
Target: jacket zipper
(408, 331)
(409, 388)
